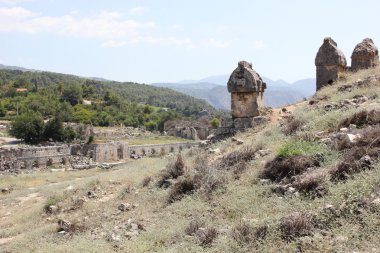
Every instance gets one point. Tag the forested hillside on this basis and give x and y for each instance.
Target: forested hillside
(98, 102)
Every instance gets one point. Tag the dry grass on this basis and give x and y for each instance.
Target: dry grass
(362, 118)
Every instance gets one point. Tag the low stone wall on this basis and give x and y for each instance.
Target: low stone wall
(160, 148)
(79, 155)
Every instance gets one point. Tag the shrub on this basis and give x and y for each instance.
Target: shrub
(296, 147)
(29, 127)
(181, 188)
(172, 171)
(292, 125)
(146, 181)
(194, 226)
(245, 233)
(206, 236)
(215, 123)
(296, 225)
(312, 184)
(352, 163)
(281, 167)
(235, 157)
(52, 200)
(362, 118)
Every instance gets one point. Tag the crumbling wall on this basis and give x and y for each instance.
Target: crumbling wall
(160, 148)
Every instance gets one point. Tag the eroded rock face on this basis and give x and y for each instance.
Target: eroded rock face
(246, 88)
(365, 55)
(330, 62)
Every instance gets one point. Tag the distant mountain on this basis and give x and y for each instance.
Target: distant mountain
(213, 89)
(14, 68)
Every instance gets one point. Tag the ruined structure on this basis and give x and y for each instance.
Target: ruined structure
(78, 156)
(365, 55)
(330, 63)
(246, 88)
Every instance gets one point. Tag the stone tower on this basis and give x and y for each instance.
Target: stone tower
(246, 88)
(330, 63)
(365, 55)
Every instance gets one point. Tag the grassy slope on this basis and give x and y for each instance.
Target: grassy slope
(242, 199)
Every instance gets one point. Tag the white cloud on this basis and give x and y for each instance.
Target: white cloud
(13, 2)
(112, 28)
(162, 41)
(106, 25)
(176, 26)
(137, 10)
(259, 44)
(217, 43)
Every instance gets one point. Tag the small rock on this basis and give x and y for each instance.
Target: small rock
(91, 195)
(214, 151)
(124, 207)
(344, 129)
(291, 189)
(238, 141)
(204, 143)
(376, 202)
(52, 209)
(211, 137)
(64, 226)
(326, 141)
(265, 181)
(5, 190)
(264, 152)
(352, 127)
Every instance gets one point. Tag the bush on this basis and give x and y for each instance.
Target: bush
(172, 171)
(296, 225)
(206, 236)
(362, 118)
(297, 147)
(280, 167)
(29, 127)
(194, 226)
(245, 233)
(312, 184)
(292, 125)
(146, 181)
(181, 188)
(215, 123)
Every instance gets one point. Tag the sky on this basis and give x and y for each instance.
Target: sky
(148, 41)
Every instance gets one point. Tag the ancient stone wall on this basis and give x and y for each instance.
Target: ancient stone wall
(160, 148)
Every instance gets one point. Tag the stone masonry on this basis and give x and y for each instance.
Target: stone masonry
(330, 62)
(365, 55)
(246, 88)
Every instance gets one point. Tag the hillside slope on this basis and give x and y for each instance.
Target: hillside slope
(98, 102)
(307, 181)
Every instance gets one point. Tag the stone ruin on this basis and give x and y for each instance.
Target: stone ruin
(331, 62)
(365, 55)
(246, 88)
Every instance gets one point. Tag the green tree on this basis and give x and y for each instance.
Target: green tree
(28, 126)
(72, 94)
(215, 122)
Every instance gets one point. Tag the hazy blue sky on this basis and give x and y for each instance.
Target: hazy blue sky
(172, 40)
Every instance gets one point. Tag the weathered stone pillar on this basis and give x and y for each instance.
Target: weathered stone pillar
(330, 63)
(365, 55)
(246, 88)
